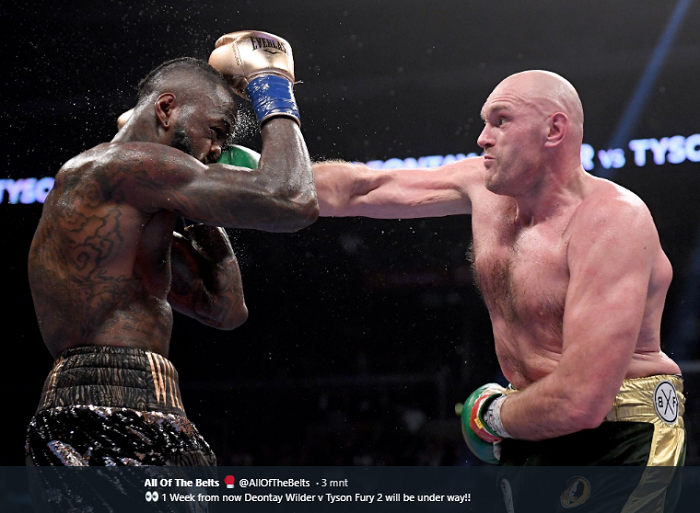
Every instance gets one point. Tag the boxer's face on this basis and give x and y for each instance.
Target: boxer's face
(512, 140)
(204, 127)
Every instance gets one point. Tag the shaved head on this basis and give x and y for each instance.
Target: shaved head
(533, 130)
(546, 92)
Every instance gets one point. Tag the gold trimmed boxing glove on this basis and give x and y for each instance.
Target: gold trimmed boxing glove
(260, 67)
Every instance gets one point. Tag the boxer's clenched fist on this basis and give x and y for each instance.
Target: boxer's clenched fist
(242, 56)
(259, 66)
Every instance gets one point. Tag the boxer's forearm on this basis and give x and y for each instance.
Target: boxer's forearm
(206, 278)
(225, 302)
(547, 409)
(260, 66)
(345, 189)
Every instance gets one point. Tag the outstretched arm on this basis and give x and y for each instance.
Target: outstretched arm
(346, 189)
(206, 280)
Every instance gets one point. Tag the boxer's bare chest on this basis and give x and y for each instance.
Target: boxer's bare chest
(522, 271)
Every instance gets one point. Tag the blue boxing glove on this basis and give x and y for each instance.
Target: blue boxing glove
(260, 67)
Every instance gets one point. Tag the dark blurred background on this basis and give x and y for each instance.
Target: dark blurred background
(363, 334)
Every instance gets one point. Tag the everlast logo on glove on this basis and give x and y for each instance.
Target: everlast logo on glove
(266, 44)
(265, 77)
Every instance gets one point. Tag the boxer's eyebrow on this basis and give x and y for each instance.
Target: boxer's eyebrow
(495, 108)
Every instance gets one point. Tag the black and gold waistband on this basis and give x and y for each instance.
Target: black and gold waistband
(657, 400)
(113, 377)
(652, 399)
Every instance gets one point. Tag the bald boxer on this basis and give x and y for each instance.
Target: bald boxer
(106, 269)
(573, 274)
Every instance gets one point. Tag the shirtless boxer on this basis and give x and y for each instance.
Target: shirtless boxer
(106, 268)
(573, 274)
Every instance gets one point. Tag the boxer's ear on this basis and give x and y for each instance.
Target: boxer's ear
(164, 108)
(557, 129)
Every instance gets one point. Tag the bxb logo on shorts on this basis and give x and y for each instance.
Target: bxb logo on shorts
(666, 402)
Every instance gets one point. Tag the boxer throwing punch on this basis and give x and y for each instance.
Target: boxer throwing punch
(106, 268)
(573, 274)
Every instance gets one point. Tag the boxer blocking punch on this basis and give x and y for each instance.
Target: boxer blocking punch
(106, 269)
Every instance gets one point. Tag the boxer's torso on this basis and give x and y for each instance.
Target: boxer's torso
(99, 269)
(523, 275)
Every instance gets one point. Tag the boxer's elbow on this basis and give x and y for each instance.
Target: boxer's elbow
(587, 410)
(236, 319)
(580, 420)
(298, 209)
(229, 319)
(307, 208)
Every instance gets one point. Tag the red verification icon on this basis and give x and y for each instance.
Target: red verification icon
(230, 481)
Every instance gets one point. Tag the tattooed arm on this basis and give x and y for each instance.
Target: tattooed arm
(206, 279)
(278, 196)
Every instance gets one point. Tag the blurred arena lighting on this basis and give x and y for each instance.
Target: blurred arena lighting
(639, 99)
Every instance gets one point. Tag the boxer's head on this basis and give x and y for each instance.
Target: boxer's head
(191, 106)
(532, 119)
